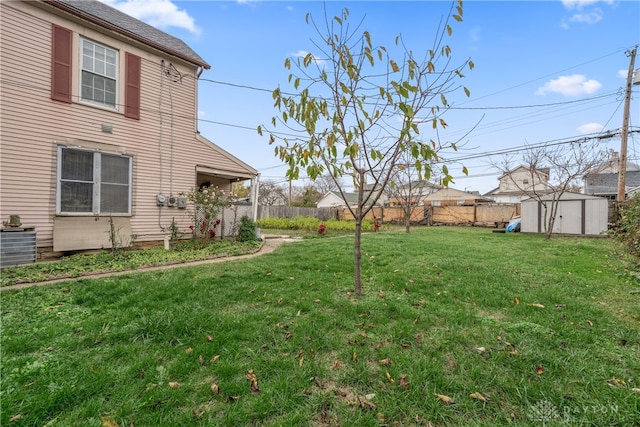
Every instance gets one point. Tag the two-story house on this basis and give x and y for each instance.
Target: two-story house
(520, 183)
(99, 125)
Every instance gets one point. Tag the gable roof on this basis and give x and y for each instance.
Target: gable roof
(112, 19)
(544, 171)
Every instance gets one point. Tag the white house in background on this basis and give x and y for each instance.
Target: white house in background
(519, 184)
(334, 200)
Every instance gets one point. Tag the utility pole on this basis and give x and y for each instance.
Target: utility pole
(622, 170)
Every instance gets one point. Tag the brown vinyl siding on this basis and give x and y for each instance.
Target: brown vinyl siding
(33, 125)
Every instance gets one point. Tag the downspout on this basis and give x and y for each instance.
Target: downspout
(255, 184)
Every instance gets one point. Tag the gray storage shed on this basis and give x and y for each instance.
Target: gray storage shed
(577, 214)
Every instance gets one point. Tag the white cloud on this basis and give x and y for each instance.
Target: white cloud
(588, 128)
(162, 14)
(573, 85)
(592, 17)
(201, 114)
(303, 53)
(623, 73)
(579, 4)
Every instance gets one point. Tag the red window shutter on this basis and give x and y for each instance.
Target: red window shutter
(132, 86)
(61, 63)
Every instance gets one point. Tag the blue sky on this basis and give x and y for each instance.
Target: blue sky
(544, 70)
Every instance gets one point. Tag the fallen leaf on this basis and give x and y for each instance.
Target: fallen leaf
(385, 362)
(234, 399)
(516, 300)
(279, 301)
(590, 322)
(381, 294)
(215, 389)
(288, 335)
(301, 362)
(209, 338)
(391, 380)
(480, 349)
(200, 359)
(536, 305)
(636, 390)
(406, 346)
(108, 421)
(539, 370)
(369, 396)
(403, 382)
(189, 350)
(215, 358)
(445, 399)
(355, 356)
(364, 403)
(254, 381)
(381, 418)
(336, 364)
(175, 384)
(616, 382)
(298, 314)
(15, 417)
(479, 396)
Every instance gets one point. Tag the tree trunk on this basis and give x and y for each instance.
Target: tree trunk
(407, 219)
(357, 270)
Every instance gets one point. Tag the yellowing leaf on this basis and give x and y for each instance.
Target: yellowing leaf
(209, 338)
(108, 421)
(336, 364)
(479, 396)
(175, 384)
(301, 362)
(539, 370)
(189, 350)
(215, 389)
(516, 300)
(445, 399)
(385, 362)
(391, 380)
(536, 305)
(355, 356)
(215, 358)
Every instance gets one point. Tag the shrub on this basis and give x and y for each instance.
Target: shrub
(311, 225)
(247, 230)
(627, 230)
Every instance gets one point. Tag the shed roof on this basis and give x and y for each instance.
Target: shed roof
(110, 18)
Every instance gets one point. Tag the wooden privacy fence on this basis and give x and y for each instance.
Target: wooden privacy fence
(484, 214)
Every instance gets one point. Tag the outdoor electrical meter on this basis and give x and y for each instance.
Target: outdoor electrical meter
(160, 199)
(182, 202)
(173, 200)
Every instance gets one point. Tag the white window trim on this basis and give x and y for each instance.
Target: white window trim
(97, 164)
(89, 102)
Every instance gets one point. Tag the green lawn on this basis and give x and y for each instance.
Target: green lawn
(514, 329)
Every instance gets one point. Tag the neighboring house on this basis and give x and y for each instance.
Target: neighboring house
(603, 181)
(452, 197)
(520, 183)
(415, 192)
(99, 124)
(576, 214)
(334, 200)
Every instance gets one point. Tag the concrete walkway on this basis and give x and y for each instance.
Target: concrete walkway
(269, 244)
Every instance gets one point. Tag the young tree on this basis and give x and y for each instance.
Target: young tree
(326, 183)
(407, 190)
(307, 197)
(270, 193)
(552, 171)
(358, 109)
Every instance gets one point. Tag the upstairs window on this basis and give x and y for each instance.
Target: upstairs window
(93, 182)
(99, 73)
